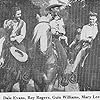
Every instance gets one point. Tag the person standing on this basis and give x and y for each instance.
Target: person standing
(16, 28)
(17, 31)
(88, 34)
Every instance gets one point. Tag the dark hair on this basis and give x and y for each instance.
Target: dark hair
(93, 14)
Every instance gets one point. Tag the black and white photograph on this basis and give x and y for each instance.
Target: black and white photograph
(50, 46)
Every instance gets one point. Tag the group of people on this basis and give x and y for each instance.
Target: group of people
(82, 43)
(54, 25)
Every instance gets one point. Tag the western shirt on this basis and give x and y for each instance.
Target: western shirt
(57, 26)
(89, 31)
(18, 29)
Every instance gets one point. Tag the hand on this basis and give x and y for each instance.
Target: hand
(12, 39)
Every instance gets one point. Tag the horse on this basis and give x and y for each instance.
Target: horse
(89, 74)
(45, 67)
(12, 70)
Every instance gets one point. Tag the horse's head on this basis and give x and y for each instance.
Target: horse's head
(42, 18)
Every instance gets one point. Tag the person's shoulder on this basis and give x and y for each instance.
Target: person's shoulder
(86, 25)
(22, 22)
(52, 21)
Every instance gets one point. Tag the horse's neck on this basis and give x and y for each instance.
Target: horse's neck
(41, 41)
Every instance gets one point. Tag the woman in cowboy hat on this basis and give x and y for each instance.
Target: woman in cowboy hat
(17, 34)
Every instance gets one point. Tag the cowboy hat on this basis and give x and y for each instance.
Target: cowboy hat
(53, 4)
(19, 53)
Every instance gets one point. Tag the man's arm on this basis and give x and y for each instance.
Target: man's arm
(7, 24)
(77, 38)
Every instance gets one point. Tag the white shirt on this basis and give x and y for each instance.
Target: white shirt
(17, 27)
(22, 28)
(89, 31)
(57, 26)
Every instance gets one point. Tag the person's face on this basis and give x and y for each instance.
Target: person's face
(49, 16)
(18, 14)
(92, 19)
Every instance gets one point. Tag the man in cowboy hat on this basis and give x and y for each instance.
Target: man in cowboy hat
(57, 24)
(88, 34)
(58, 31)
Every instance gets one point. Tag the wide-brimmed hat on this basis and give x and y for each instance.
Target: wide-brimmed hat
(19, 53)
(53, 6)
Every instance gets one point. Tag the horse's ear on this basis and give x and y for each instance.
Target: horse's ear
(38, 17)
